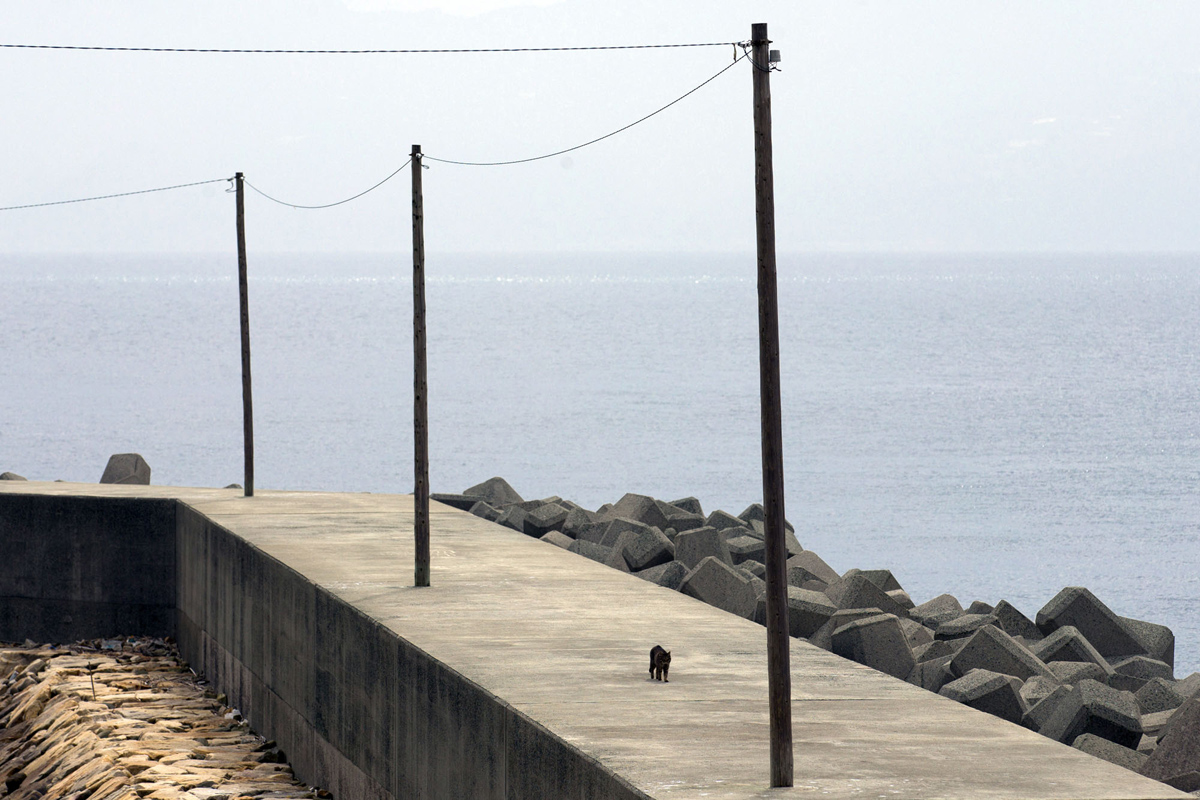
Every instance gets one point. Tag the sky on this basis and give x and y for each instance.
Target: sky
(930, 126)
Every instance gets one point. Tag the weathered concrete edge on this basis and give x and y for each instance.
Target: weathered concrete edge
(390, 734)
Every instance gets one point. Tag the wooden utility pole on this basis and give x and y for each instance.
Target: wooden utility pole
(247, 401)
(779, 674)
(420, 404)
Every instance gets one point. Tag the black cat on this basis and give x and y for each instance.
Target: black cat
(660, 662)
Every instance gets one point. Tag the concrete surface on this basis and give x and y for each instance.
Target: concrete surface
(306, 599)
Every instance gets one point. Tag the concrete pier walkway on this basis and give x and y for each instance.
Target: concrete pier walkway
(565, 641)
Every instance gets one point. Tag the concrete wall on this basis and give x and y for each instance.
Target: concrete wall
(357, 709)
(79, 568)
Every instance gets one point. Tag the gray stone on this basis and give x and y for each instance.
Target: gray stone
(931, 674)
(1092, 707)
(645, 547)
(1068, 644)
(756, 568)
(12, 476)
(938, 648)
(692, 547)
(576, 520)
(616, 560)
(815, 586)
(756, 513)
(669, 575)
(640, 508)
(858, 592)
(916, 633)
(877, 642)
(807, 611)
(823, 637)
(813, 566)
(1158, 694)
(1157, 641)
(596, 552)
(1189, 686)
(791, 543)
(902, 598)
(559, 539)
(619, 526)
(1014, 623)
(717, 583)
(964, 625)
(512, 517)
(126, 468)
(545, 518)
(496, 492)
(1036, 689)
(746, 548)
(1035, 718)
(680, 519)
(1111, 752)
(992, 692)
(1176, 759)
(462, 502)
(1148, 743)
(593, 532)
(482, 509)
(1077, 607)
(992, 649)
(944, 607)
(1143, 667)
(882, 578)
(1156, 723)
(979, 607)
(689, 504)
(1072, 672)
(723, 521)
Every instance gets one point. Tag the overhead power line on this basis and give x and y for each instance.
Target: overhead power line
(110, 196)
(339, 202)
(591, 141)
(360, 52)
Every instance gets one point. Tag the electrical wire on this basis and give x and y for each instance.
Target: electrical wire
(110, 196)
(592, 141)
(330, 205)
(361, 52)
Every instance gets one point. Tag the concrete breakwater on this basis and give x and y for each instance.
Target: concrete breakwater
(125, 719)
(1077, 672)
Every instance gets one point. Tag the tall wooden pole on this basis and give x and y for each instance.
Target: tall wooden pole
(779, 673)
(247, 401)
(420, 405)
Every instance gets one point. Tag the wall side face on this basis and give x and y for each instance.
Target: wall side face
(80, 568)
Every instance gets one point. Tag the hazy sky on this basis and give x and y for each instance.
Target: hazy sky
(1022, 125)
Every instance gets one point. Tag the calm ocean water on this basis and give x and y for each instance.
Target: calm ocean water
(991, 426)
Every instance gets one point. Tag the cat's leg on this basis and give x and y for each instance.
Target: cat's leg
(665, 670)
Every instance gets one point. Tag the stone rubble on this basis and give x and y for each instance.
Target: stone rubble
(1078, 672)
(123, 719)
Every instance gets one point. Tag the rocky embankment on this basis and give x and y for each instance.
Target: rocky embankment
(122, 720)
(1077, 672)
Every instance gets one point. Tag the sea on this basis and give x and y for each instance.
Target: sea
(993, 426)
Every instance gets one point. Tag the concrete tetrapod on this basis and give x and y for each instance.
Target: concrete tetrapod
(992, 649)
(877, 642)
(1077, 606)
(1092, 707)
(1176, 760)
(982, 689)
(722, 586)
(126, 468)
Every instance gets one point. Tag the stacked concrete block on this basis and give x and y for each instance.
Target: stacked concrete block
(964, 626)
(807, 611)
(559, 539)
(484, 510)
(992, 649)
(1157, 641)
(126, 468)
(545, 518)
(670, 575)
(692, 547)
(823, 636)
(1159, 694)
(1111, 752)
(1134, 672)
(1076, 606)
(592, 550)
(690, 505)
(746, 548)
(877, 642)
(644, 547)
(576, 520)
(1014, 623)
(991, 692)
(856, 591)
(11, 476)
(717, 583)
(1092, 707)
(495, 492)
(638, 507)
(1041, 711)
(1176, 759)
(1072, 672)
(512, 517)
(1068, 644)
(916, 633)
(932, 613)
